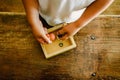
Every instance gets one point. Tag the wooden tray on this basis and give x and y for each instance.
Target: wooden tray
(58, 46)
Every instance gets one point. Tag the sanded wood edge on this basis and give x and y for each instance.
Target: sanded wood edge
(47, 56)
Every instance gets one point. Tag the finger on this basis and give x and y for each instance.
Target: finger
(60, 32)
(52, 36)
(41, 40)
(48, 36)
(47, 39)
(64, 37)
(45, 29)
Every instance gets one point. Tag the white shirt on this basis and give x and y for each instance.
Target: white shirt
(61, 11)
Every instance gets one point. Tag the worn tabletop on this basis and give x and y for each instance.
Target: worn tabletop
(96, 57)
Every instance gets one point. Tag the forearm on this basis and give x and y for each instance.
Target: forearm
(32, 13)
(31, 8)
(92, 11)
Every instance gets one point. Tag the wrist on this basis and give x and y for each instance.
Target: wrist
(78, 23)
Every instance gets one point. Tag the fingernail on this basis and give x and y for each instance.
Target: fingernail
(50, 42)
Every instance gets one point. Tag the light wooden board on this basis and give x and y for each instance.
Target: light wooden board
(57, 46)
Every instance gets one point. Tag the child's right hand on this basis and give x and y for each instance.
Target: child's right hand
(32, 12)
(44, 39)
(41, 35)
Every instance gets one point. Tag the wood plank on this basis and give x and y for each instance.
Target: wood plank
(98, 52)
(11, 6)
(114, 9)
(17, 6)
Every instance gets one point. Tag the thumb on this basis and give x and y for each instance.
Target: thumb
(47, 39)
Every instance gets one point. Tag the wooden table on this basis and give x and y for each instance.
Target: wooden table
(17, 6)
(97, 56)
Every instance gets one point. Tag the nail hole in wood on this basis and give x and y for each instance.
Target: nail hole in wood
(61, 44)
(92, 37)
(93, 74)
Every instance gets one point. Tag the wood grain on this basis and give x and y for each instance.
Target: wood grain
(17, 6)
(114, 9)
(11, 6)
(96, 57)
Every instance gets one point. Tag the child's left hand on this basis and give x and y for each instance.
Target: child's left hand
(66, 31)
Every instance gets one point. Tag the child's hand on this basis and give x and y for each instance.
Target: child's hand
(43, 37)
(32, 12)
(41, 34)
(67, 31)
(51, 36)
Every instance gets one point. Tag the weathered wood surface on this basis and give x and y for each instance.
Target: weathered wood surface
(11, 6)
(17, 6)
(98, 51)
(114, 9)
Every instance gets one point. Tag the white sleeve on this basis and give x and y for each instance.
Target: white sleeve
(88, 2)
(80, 4)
